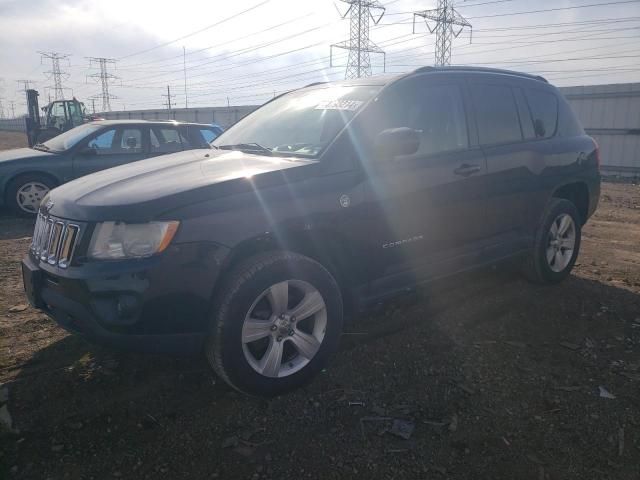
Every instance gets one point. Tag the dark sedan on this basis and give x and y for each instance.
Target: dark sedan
(27, 174)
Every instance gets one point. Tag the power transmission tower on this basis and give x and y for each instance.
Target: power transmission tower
(1, 108)
(168, 97)
(359, 44)
(447, 20)
(55, 72)
(13, 108)
(104, 77)
(26, 84)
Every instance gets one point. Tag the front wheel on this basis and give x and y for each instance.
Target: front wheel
(556, 244)
(25, 193)
(275, 323)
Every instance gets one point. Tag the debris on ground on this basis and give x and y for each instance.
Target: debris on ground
(621, 441)
(402, 428)
(6, 422)
(18, 308)
(604, 393)
(453, 424)
(570, 346)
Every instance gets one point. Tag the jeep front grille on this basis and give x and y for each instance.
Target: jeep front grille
(54, 240)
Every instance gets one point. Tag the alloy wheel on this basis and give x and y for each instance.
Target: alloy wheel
(284, 328)
(561, 242)
(29, 196)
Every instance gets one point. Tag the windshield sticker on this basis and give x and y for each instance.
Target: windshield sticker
(349, 105)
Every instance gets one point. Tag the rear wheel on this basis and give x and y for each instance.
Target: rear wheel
(556, 245)
(25, 193)
(275, 323)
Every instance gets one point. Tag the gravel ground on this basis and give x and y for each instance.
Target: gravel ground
(487, 376)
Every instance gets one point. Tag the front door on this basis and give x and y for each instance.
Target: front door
(109, 148)
(427, 210)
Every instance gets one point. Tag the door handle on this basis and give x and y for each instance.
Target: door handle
(465, 170)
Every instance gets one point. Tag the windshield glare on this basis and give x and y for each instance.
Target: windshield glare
(68, 139)
(301, 122)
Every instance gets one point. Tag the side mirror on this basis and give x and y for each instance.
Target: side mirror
(394, 142)
(88, 151)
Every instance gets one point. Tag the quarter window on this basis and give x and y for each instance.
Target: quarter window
(165, 140)
(544, 109)
(496, 114)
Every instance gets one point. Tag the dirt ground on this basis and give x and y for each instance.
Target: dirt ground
(499, 379)
(12, 140)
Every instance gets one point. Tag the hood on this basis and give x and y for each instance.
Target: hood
(22, 154)
(142, 190)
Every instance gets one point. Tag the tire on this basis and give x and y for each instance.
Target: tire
(542, 265)
(238, 346)
(25, 192)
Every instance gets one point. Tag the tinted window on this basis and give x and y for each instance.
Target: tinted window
(131, 141)
(436, 111)
(524, 113)
(496, 114)
(165, 140)
(544, 110)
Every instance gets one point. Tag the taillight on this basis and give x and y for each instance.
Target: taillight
(596, 153)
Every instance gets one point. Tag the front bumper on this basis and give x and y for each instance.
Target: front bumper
(156, 305)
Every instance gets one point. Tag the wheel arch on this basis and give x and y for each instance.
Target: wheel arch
(577, 193)
(327, 247)
(9, 181)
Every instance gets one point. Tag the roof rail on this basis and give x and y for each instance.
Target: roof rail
(462, 68)
(314, 84)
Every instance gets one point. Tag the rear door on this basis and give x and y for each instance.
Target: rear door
(110, 147)
(427, 210)
(504, 130)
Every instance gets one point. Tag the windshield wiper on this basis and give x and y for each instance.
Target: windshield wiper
(249, 147)
(41, 146)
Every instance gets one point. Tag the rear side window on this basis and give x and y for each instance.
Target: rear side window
(544, 110)
(496, 114)
(131, 141)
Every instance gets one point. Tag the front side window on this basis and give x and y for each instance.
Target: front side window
(435, 111)
(496, 114)
(300, 123)
(103, 143)
(544, 110)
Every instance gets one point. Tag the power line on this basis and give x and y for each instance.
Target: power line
(359, 44)
(56, 73)
(235, 15)
(104, 77)
(446, 17)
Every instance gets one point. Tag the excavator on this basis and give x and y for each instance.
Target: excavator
(58, 117)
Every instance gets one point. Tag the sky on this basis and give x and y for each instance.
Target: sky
(246, 51)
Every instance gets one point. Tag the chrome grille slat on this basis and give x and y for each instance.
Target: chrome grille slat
(54, 240)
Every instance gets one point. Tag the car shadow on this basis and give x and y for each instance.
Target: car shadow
(72, 379)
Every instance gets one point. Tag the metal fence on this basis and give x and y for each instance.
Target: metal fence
(611, 114)
(223, 116)
(13, 124)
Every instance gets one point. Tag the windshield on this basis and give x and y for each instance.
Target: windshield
(299, 123)
(68, 139)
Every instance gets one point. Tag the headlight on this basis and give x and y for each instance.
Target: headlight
(115, 240)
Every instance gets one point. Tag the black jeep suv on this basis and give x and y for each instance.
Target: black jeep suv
(324, 200)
